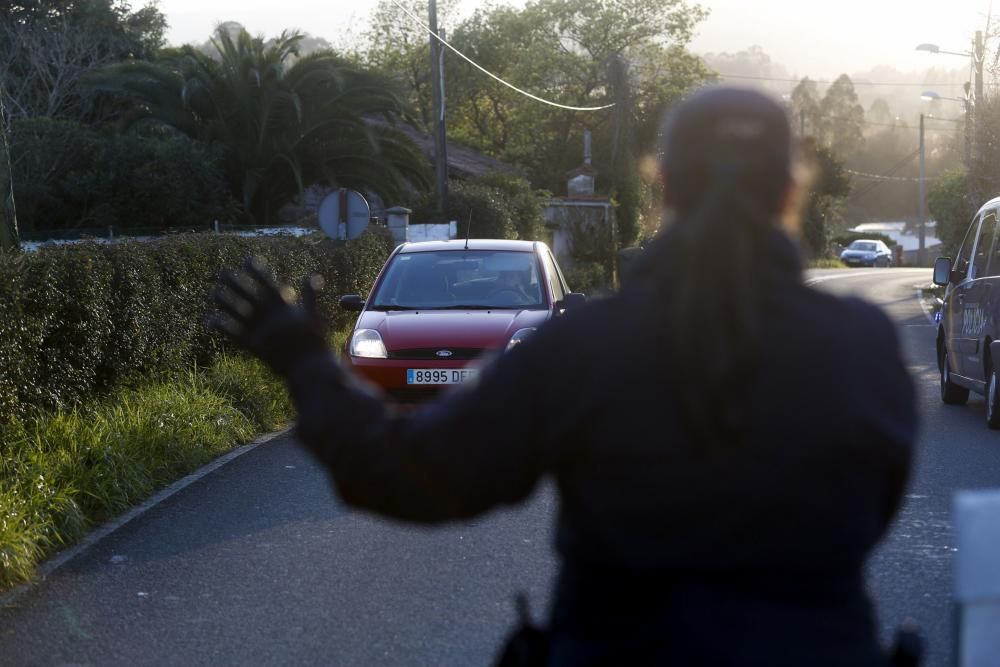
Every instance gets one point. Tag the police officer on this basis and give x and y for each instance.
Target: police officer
(728, 444)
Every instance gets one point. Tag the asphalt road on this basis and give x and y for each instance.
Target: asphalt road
(257, 563)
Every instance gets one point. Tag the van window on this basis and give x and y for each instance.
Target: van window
(965, 253)
(984, 248)
(993, 250)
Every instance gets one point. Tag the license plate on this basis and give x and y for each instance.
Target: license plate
(440, 375)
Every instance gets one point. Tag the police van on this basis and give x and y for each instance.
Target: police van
(968, 338)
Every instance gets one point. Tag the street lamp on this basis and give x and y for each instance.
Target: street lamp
(931, 96)
(966, 102)
(971, 100)
(934, 48)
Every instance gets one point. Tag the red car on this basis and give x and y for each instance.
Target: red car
(438, 306)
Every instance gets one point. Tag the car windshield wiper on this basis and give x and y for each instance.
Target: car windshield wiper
(392, 306)
(465, 306)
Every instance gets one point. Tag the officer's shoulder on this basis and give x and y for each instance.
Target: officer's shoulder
(595, 320)
(850, 317)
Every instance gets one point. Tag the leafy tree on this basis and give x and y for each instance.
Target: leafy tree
(46, 46)
(984, 175)
(565, 51)
(805, 102)
(69, 176)
(393, 46)
(285, 122)
(879, 111)
(951, 207)
(526, 205)
(842, 118)
(831, 184)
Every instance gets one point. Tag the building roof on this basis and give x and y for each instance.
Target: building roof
(462, 161)
(902, 233)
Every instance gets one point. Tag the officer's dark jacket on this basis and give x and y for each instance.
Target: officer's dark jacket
(670, 555)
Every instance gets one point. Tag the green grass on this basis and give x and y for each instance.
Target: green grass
(826, 264)
(65, 472)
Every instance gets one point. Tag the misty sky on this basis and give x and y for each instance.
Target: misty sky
(819, 39)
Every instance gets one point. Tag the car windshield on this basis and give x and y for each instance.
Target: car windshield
(866, 246)
(460, 279)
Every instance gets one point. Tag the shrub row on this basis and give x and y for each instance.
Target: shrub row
(77, 321)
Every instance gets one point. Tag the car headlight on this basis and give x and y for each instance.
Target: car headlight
(519, 337)
(368, 343)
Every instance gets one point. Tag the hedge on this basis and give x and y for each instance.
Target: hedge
(77, 321)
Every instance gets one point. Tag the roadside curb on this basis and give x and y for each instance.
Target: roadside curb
(107, 528)
(923, 307)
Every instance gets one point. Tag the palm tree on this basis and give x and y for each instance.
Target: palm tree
(284, 122)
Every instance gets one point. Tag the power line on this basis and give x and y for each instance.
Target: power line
(872, 186)
(882, 177)
(485, 71)
(822, 81)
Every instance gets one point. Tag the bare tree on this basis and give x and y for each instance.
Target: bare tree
(9, 236)
(43, 68)
(47, 46)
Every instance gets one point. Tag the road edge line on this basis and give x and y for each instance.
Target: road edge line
(53, 563)
(923, 307)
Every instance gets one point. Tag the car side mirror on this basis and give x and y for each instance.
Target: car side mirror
(352, 302)
(571, 301)
(942, 271)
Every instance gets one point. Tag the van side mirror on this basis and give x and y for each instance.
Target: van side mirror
(352, 302)
(942, 271)
(571, 301)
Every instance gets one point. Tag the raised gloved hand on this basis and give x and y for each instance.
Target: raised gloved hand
(263, 317)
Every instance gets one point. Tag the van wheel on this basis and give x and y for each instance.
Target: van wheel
(951, 393)
(993, 401)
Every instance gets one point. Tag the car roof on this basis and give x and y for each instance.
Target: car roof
(473, 244)
(865, 241)
(990, 204)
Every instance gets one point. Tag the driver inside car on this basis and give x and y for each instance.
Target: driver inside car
(511, 283)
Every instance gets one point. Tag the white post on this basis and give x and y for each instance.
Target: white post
(977, 576)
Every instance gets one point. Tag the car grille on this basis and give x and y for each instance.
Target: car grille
(431, 353)
(413, 394)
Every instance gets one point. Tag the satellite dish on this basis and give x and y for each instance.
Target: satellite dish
(344, 214)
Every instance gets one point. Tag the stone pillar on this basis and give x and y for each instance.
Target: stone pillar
(398, 221)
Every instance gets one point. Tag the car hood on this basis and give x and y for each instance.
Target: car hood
(481, 329)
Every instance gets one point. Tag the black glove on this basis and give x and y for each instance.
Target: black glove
(262, 317)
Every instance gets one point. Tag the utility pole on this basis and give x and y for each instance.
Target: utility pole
(969, 110)
(922, 215)
(978, 55)
(440, 133)
(9, 235)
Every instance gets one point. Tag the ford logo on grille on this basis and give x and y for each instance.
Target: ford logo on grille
(443, 353)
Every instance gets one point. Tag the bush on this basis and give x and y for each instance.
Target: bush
(485, 208)
(588, 277)
(77, 321)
